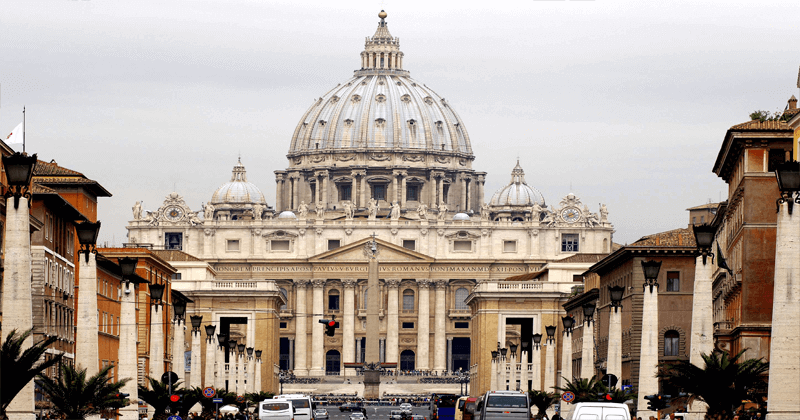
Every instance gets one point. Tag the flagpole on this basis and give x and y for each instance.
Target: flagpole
(23, 129)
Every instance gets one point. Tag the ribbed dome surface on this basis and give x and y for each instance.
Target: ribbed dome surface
(238, 190)
(381, 112)
(517, 192)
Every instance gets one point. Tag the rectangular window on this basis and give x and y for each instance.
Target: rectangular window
(462, 246)
(333, 244)
(694, 220)
(233, 245)
(577, 278)
(408, 325)
(333, 302)
(379, 192)
(445, 192)
(462, 325)
(509, 246)
(173, 241)
(280, 245)
(283, 325)
(412, 193)
(410, 244)
(569, 242)
(702, 219)
(408, 301)
(673, 281)
(345, 193)
(176, 276)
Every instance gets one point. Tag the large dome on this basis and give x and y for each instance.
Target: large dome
(517, 192)
(238, 190)
(381, 108)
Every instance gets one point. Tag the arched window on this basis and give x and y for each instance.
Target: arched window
(285, 296)
(671, 343)
(461, 297)
(366, 290)
(333, 300)
(408, 300)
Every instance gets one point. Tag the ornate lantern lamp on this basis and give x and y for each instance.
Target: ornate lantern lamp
(588, 312)
(222, 339)
(197, 320)
(503, 352)
(19, 171)
(551, 333)
(258, 354)
(179, 307)
(788, 176)
(651, 269)
(210, 329)
(615, 293)
(537, 340)
(250, 352)
(568, 322)
(494, 354)
(87, 237)
(704, 237)
(156, 292)
(240, 347)
(513, 349)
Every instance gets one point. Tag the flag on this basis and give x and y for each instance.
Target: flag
(721, 263)
(15, 137)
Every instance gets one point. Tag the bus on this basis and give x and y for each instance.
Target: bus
(275, 409)
(302, 404)
(443, 406)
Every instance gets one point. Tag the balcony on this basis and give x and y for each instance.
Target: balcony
(362, 313)
(723, 327)
(460, 314)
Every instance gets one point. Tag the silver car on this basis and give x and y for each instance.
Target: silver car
(357, 416)
(321, 413)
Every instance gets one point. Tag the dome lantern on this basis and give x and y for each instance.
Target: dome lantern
(382, 53)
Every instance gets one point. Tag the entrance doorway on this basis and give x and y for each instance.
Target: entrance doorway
(407, 360)
(461, 351)
(285, 358)
(333, 362)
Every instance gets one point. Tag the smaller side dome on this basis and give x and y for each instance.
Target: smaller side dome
(238, 190)
(461, 216)
(287, 215)
(517, 192)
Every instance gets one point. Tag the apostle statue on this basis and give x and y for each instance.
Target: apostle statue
(536, 212)
(194, 220)
(603, 213)
(320, 208)
(349, 212)
(137, 210)
(303, 209)
(422, 211)
(395, 214)
(258, 210)
(484, 212)
(549, 218)
(208, 212)
(373, 208)
(442, 212)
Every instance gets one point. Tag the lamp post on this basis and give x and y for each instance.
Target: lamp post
(537, 362)
(587, 351)
(86, 353)
(211, 346)
(550, 359)
(128, 335)
(648, 360)
(282, 379)
(784, 369)
(251, 367)
(231, 365)
(240, 389)
(257, 384)
(195, 379)
(222, 341)
(179, 339)
(702, 341)
(495, 370)
(156, 331)
(566, 359)
(615, 331)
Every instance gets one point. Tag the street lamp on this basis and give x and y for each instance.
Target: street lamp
(788, 177)
(588, 312)
(19, 171)
(494, 354)
(250, 352)
(87, 237)
(210, 329)
(258, 354)
(179, 307)
(551, 332)
(568, 322)
(513, 349)
(222, 339)
(651, 269)
(197, 320)
(156, 292)
(537, 340)
(240, 347)
(615, 294)
(503, 352)
(704, 238)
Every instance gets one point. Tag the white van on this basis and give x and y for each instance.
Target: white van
(504, 405)
(275, 409)
(600, 411)
(302, 404)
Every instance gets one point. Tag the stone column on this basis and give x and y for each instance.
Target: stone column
(301, 329)
(432, 188)
(251, 373)
(86, 352)
(348, 325)
(317, 192)
(550, 366)
(325, 192)
(470, 187)
(354, 192)
(493, 376)
(537, 368)
(383, 350)
(403, 193)
(423, 325)
(464, 204)
(512, 364)
(195, 376)
(440, 180)
(278, 193)
(178, 350)
(317, 331)
(257, 384)
(358, 351)
(784, 363)
(295, 191)
(523, 371)
(392, 322)
(439, 334)
(219, 354)
(648, 359)
(587, 353)
(395, 193)
(703, 326)
(240, 362)
(363, 191)
(614, 363)
(566, 368)
(127, 350)
(156, 340)
(481, 181)
(211, 355)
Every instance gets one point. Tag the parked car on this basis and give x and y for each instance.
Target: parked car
(358, 416)
(349, 407)
(396, 415)
(321, 413)
(601, 411)
(406, 407)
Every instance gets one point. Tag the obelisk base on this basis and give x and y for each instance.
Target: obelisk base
(372, 384)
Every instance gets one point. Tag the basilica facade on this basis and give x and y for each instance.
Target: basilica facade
(379, 154)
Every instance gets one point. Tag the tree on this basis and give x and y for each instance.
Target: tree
(76, 397)
(543, 400)
(255, 398)
(208, 404)
(23, 366)
(723, 383)
(157, 396)
(585, 390)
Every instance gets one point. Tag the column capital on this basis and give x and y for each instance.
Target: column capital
(400, 172)
(323, 173)
(481, 178)
(358, 173)
(302, 283)
(393, 283)
(318, 283)
(441, 284)
(423, 283)
(349, 283)
(280, 176)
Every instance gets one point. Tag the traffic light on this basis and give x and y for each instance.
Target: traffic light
(657, 402)
(121, 395)
(330, 326)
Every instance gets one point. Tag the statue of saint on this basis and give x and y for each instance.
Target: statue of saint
(137, 210)
(320, 208)
(373, 208)
(603, 213)
(484, 211)
(395, 214)
(258, 210)
(303, 209)
(442, 212)
(536, 212)
(208, 212)
(549, 218)
(349, 212)
(194, 220)
(422, 211)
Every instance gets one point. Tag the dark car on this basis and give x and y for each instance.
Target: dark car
(349, 407)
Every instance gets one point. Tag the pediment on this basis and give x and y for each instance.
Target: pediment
(355, 252)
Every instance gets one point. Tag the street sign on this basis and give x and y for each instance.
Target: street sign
(568, 397)
(209, 392)
(217, 400)
(169, 377)
(174, 418)
(627, 388)
(609, 380)
(239, 399)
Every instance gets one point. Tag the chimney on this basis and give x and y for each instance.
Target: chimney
(792, 102)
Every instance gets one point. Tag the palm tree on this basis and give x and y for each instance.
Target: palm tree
(76, 397)
(257, 397)
(722, 384)
(585, 390)
(543, 400)
(23, 366)
(157, 396)
(209, 407)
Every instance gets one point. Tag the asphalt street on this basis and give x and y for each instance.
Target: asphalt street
(373, 412)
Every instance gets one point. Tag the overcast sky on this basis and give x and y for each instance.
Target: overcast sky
(621, 102)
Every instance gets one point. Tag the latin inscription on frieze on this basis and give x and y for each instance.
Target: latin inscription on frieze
(382, 268)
